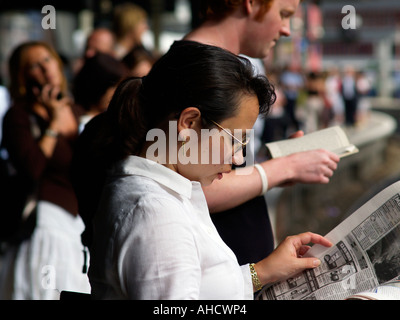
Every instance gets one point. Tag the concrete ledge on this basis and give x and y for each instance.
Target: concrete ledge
(380, 125)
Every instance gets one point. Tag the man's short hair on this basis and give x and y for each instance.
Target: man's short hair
(219, 9)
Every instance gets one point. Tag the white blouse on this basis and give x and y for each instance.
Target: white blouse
(154, 239)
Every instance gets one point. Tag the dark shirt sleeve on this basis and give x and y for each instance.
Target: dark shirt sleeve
(22, 147)
(21, 134)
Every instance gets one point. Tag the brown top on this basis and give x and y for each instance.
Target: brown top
(21, 132)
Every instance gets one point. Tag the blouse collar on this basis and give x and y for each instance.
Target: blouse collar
(134, 165)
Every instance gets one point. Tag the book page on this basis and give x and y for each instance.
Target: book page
(333, 139)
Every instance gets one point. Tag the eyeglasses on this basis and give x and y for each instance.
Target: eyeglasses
(239, 145)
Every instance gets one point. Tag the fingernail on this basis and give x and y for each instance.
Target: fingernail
(316, 263)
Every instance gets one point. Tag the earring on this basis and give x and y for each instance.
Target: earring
(183, 147)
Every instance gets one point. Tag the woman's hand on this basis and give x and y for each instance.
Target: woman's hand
(61, 117)
(286, 260)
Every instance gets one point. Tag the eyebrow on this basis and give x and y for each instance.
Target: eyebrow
(290, 11)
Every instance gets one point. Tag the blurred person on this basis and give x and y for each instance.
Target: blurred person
(292, 82)
(139, 61)
(275, 123)
(95, 84)
(237, 203)
(153, 236)
(100, 40)
(39, 132)
(364, 86)
(129, 24)
(315, 107)
(350, 95)
(333, 87)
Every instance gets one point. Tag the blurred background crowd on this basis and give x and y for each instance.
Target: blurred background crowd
(321, 68)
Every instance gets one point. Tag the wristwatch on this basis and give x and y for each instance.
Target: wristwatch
(51, 133)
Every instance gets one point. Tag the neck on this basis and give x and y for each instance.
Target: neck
(224, 34)
(157, 154)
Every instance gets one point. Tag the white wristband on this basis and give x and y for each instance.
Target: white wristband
(264, 178)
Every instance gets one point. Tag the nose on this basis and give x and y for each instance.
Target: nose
(285, 28)
(44, 68)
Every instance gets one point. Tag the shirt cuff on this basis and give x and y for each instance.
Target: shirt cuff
(247, 282)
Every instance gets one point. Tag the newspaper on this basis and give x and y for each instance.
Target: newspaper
(365, 256)
(388, 291)
(333, 139)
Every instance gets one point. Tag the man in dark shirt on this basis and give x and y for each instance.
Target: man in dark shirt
(239, 211)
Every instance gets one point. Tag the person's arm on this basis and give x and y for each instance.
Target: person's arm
(61, 119)
(316, 166)
(21, 145)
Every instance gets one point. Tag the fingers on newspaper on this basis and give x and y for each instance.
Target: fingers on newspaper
(333, 139)
(363, 264)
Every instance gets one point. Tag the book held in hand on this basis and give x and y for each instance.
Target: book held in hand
(333, 139)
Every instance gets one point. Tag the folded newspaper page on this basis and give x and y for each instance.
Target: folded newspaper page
(387, 291)
(333, 139)
(365, 256)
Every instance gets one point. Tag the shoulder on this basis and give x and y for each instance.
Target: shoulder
(139, 217)
(147, 194)
(16, 115)
(155, 214)
(17, 110)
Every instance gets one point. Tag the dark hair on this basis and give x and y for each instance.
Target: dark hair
(189, 75)
(98, 74)
(137, 55)
(218, 9)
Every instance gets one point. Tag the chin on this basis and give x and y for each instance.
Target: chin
(205, 182)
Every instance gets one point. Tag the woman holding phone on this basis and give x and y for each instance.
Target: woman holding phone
(39, 132)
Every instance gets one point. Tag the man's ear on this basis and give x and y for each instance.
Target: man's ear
(190, 118)
(248, 6)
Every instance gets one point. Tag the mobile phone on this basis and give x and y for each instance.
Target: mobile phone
(40, 87)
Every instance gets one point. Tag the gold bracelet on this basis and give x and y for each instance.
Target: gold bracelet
(254, 278)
